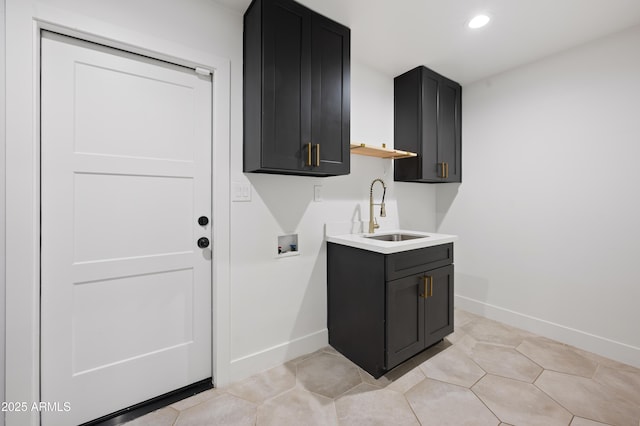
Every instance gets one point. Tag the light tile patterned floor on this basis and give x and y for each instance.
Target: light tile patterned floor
(486, 373)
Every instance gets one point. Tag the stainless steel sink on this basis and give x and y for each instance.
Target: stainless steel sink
(395, 237)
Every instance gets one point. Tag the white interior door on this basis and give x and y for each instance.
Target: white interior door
(126, 173)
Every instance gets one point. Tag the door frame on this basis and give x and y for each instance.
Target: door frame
(23, 188)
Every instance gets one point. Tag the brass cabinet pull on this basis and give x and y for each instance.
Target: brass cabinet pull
(430, 286)
(442, 171)
(446, 168)
(317, 155)
(309, 154)
(425, 281)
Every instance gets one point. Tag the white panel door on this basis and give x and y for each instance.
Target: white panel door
(126, 173)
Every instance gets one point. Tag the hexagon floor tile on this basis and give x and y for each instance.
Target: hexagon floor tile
(453, 366)
(589, 399)
(366, 405)
(262, 386)
(222, 410)
(328, 375)
(491, 331)
(443, 404)
(555, 356)
(519, 403)
(625, 383)
(505, 362)
(297, 407)
(487, 373)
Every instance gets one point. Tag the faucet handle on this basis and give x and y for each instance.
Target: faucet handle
(375, 223)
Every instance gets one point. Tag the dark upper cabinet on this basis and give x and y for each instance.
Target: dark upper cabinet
(428, 121)
(296, 91)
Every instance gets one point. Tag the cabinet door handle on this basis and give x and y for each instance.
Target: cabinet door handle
(446, 168)
(430, 279)
(442, 169)
(309, 154)
(317, 155)
(425, 282)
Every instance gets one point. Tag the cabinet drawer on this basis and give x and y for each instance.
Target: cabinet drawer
(399, 265)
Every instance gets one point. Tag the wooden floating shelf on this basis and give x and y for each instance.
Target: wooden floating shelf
(380, 152)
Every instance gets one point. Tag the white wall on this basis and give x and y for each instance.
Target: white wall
(548, 212)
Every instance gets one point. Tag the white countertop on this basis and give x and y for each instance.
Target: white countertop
(388, 247)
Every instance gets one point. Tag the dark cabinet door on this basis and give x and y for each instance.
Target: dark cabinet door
(286, 98)
(405, 319)
(438, 319)
(449, 130)
(296, 91)
(428, 126)
(419, 313)
(427, 109)
(330, 130)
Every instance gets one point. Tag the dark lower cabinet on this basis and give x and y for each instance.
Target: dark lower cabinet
(296, 91)
(384, 309)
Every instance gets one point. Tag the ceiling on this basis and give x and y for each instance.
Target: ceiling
(394, 36)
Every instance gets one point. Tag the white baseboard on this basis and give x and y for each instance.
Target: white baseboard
(608, 348)
(249, 365)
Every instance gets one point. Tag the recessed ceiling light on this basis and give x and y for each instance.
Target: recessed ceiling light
(479, 21)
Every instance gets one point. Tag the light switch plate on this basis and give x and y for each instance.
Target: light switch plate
(240, 191)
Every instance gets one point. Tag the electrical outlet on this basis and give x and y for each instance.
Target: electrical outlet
(240, 191)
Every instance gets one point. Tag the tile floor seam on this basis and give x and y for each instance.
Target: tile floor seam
(319, 394)
(484, 403)
(595, 369)
(445, 382)
(594, 420)
(349, 390)
(335, 409)
(485, 373)
(176, 419)
(195, 405)
(407, 391)
(529, 358)
(570, 374)
(539, 374)
(507, 377)
(404, 395)
(274, 396)
(362, 373)
(476, 363)
(552, 398)
(233, 395)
